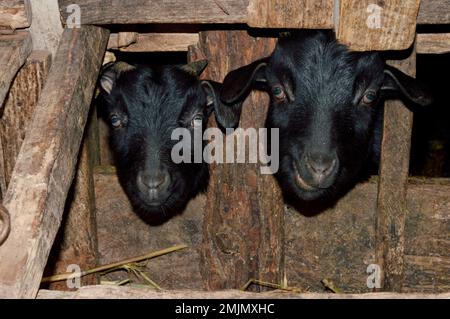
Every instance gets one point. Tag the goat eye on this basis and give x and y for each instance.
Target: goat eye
(116, 122)
(197, 121)
(278, 92)
(369, 98)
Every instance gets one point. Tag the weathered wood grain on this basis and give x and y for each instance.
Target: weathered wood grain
(223, 11)
(434, 12)
(5, 224)
(394, 170)
(339, 243)
(149, 11)
(162, 42)
(433, 43)
(123, 234)
(45, 167)
(76, 242)
(14, 14)
(115, 292)
(381, 25)
(121, 39)
(19, 108)
(46, 28)
(14, 50)
(243, 223)
(302, 14)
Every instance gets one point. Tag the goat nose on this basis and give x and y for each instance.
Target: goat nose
(156, 180)
(321, 165)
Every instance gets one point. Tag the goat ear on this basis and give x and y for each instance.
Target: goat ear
(227, 116)
(396, 82)
(238, 83)
(111, 72)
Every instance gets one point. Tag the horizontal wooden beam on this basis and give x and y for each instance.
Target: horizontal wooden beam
(162, 42)
(365, 26)
(121, 39)
(14, 50)
(46, 163)
(302, 14)
(434, 12)
(223, 11)
(150, 11)
(433, 43)
(14, 14)
(117, 292)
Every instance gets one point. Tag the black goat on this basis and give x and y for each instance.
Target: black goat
(325, 102)
(143, 105)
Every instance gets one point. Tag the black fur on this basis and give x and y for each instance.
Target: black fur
(323, 117)
(150, 103)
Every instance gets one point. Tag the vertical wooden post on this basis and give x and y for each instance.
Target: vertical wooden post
(19, 108)
(46, 163)
(17, 112)
(243, 228)
(394, 168)
(76, 242)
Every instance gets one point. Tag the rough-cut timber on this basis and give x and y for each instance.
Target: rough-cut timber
(14, 14)
(162, 42)
(46, 164)
(217, 11)
(433, 43)
(14, 50)
(243, 223)
(19, 108)
(106, 155)
(302, 14)
(150, 11)
(339, 243)
(394, 169)
(76, 241)
(116, 292)
(121, 39)
(434, 12)
(5, 224)
(310, 258)
(385, 25)
(46, 28)
(122, 234)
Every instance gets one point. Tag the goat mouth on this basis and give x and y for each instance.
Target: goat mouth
(301, 182)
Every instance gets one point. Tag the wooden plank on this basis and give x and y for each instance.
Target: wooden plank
(433, 43)
(123, 234)
(45, 167)
(14, 50)
(162, 42)
(230, 11)
(306, 14)
(76, 242)
(350, 227)
(394, 169)
(46, 28)
(243, 223)
(116, 292)
(427, 274)
(310, 257)
(149, 11)
(14, 14)
(121, 39)
(106, 155)
(19, 108)
(388, 25)
(5, 224)
(434, 12)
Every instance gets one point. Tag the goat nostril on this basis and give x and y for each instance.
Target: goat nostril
(154, 182)
(321, 166)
